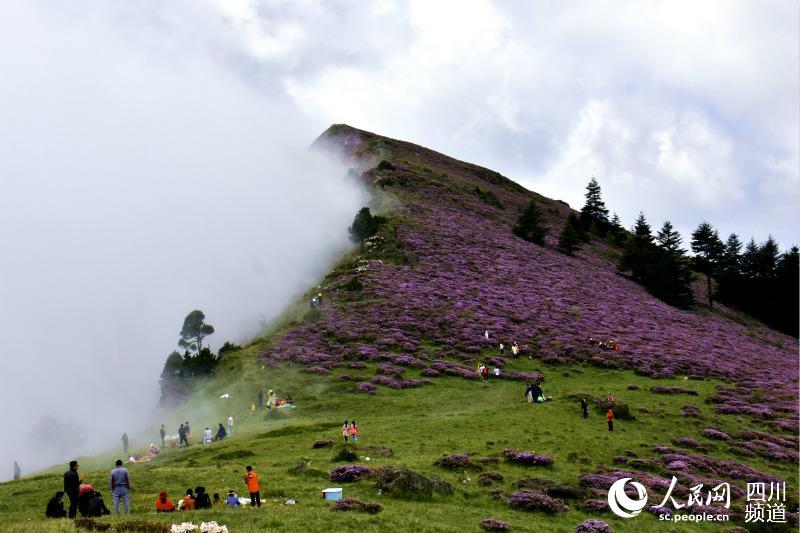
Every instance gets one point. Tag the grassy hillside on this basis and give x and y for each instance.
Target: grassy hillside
(444, 269)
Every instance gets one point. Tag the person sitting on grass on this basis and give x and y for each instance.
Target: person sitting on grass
(208, 436)
(163, 504)
(216, 501)
(221, 433)
(55, 507)
(97, 507)
(201, 499)
(233, 500)
(187, 503)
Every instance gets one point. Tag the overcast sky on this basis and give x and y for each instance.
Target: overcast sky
(152, 155)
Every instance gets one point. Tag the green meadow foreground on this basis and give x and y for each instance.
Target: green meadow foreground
(419, 425)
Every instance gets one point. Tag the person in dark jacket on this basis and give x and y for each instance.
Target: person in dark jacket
(97, 507)
(72, 484)
(201, 498)
(221, 433)
(584, 408)
(182, 436)
(55, 507)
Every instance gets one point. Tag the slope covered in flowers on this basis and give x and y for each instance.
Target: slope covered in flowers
(448, 268)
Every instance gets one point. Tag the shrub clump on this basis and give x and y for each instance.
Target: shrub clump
(490, 524)
(536, 501)
(487, 478)
(322, 443)
(404, 483)
(673, 390)
(712, 433)
(369, 388)
(348, 473)
(385, 165)
(454, 461)
(353, 504)
(353, 285)
(345, 454)
(527, 458)
(593, 526)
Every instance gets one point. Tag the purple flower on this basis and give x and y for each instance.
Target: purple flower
(490, 524)
(593, 526)
(365, 387)
(347, 473)
(536, 501)
(712, 433)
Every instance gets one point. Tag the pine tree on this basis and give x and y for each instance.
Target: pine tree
(619, 233)
(708, 248)
(594, 210)
(732, 256)
(570, 239)
(642, 233)
(749, 260)
(530, 225)
(767, 259)
(638, 254)
(669, 239)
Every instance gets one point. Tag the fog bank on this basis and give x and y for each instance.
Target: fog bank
(140, 178)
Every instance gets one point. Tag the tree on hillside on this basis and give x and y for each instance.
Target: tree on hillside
(670, 278)
(570, 239)
(669, 239)
(639, 249)
(530, 225)
(619, 233)
(708, 248)
(594, 210)
(364, 225)
(194, 331)
(730, 263)
(749, 261)
(767, 258)
(173, 365)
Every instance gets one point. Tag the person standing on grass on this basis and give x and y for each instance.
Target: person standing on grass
(353, 431)
(72, 485)
(163, 433)
(610, 419)
(251, 478)
(585, 408)
(17, 471)
(120, 484)
(345, 431)
(182, 441)
(502, 348)
(230, 425)
(125, 443)
(261, 398)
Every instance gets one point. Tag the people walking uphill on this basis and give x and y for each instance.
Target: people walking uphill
(72, 484)
(182, 440)
(55, 507)
(163, 433)
(120, 484)
(353, 431)
(345, 431)
(125, 443)
(251, 479)
(17, 471)
(584, 408)
(610, 419)
(230, 425)
(163, 504)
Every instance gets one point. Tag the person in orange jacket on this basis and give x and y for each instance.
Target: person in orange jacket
(610, 419)
(163, 504)
(251, 478)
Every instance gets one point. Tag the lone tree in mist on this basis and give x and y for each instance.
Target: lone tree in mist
(194, 331)
(365, 224)
(530, 225)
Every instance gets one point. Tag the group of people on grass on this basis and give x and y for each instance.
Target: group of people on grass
(605, 345)
(84, 499)
(350, 431)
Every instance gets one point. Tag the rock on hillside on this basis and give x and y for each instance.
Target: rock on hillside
(447, 267)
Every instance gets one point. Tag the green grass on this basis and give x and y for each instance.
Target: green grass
(420, 425)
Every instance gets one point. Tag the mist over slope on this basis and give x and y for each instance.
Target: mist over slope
(138, 183)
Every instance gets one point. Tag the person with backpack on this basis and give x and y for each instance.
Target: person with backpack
(120, 484)
(97, 507)
(251, 479)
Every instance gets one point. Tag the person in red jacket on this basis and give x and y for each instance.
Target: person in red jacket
(163, 504)
(251, 478)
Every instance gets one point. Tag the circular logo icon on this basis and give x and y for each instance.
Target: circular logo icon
(621, 504)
